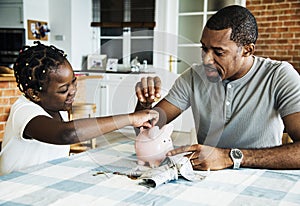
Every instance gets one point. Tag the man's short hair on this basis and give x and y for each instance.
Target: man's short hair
(240, 20)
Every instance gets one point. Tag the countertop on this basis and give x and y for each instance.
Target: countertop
(11, 78)
(99, 72)
(7, 78)
(82, 74)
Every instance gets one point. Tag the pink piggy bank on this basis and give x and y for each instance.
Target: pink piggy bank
(151, 145)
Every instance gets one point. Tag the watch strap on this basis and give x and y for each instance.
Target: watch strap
(237, 157)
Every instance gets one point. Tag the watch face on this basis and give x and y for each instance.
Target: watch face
(237, 154)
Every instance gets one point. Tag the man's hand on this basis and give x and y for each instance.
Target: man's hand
(205, 157)
(144, 118)
(148, 90)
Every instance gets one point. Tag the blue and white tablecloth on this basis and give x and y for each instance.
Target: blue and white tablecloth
(88, 179)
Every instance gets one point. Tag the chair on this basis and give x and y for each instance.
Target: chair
(286, 139)
(82, 110)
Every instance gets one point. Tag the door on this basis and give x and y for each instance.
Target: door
(182, 25)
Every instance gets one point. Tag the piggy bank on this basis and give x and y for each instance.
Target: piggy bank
(151, 145)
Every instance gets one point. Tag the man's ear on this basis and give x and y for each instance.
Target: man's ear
(33, 95)
(248, 50)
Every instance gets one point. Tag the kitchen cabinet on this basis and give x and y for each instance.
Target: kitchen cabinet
(11, 14)
(115, 94)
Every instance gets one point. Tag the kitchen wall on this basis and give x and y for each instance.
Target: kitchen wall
(69, 23)
(35, 10)
(279, 29)
(71, 19)
(9, 93)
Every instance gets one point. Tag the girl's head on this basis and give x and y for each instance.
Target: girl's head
(46, 77)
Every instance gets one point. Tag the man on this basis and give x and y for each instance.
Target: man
(238, 100)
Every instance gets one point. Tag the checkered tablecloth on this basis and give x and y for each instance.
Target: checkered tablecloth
(88, 179)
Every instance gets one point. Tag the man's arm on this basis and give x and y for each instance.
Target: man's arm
(148, 92)
(283, 157)
(280, 157)
(167, 111)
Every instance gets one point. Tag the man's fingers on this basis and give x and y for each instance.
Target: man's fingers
(180, 150)
(148, 89)
(139, 92)
(151, 89)
(145, 86)
(157, 86)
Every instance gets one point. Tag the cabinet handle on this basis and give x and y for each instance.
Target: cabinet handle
(103, 87)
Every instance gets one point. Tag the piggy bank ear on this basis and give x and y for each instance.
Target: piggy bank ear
(141, 129)
(153, 132)
(168, 129)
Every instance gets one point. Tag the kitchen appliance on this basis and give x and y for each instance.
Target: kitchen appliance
(11, 41)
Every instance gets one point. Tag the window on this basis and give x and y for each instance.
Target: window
(125, 29)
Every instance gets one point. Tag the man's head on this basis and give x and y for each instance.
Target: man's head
(240, 20)
(228, 43)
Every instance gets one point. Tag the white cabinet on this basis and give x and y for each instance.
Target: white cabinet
(115, 94)
(11, 14)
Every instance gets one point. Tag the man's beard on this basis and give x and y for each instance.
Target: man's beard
(212, 74)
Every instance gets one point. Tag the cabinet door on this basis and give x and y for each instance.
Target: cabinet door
(93, 90)
(114, 94)
(103, 101)
(11, 14)
(121, 89)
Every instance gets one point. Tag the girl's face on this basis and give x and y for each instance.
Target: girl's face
(60, 91)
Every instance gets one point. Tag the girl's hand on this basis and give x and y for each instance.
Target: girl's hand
(144, 118)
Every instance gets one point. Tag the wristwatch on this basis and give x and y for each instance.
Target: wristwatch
(237, 157)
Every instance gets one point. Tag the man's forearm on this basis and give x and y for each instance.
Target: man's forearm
(282, 157)
(141, 106)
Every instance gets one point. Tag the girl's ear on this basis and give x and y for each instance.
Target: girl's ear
(33, 95)
(248, 50)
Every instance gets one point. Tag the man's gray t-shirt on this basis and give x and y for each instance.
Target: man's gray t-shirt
(244, 113)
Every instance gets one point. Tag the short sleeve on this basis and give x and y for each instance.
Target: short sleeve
(21, 114)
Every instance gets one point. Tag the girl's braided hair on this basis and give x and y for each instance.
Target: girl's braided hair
(33, 65)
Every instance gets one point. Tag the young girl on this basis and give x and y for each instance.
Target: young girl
(37, 128)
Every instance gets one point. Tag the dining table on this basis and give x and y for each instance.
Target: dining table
(105, 176)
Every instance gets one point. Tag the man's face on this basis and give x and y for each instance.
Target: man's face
(222, 58)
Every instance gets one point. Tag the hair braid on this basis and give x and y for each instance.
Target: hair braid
(33, 65)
